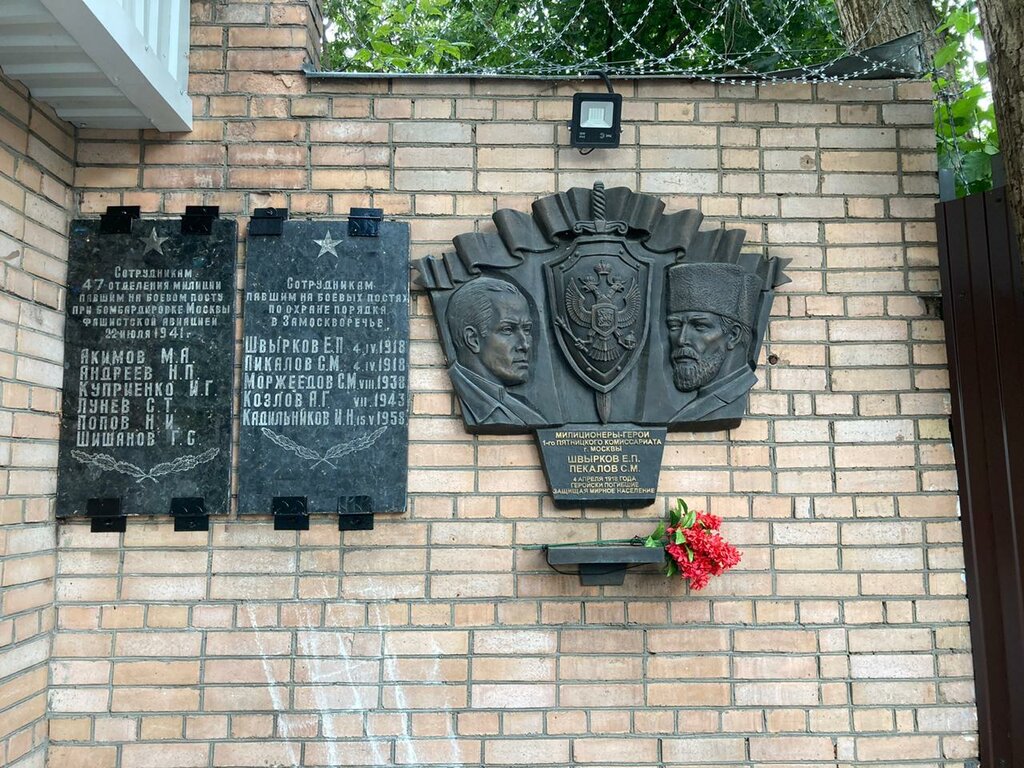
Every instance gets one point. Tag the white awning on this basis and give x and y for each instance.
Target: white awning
(102, 63)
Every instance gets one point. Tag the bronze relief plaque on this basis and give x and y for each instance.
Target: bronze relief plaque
(598, 322)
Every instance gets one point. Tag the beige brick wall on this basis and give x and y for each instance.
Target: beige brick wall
(36, 154)
(437, 638)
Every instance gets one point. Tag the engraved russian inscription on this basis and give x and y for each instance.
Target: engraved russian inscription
(639, 320)
(586, 464)
(146, 411)
(325, 396)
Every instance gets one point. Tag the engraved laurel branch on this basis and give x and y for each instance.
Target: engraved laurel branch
(334, 452)
(108, 463)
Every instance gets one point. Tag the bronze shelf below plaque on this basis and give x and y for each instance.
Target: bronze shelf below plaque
(603, 565)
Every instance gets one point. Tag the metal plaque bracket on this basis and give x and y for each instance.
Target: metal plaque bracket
(365, 222)
(118, 219)
(355, 513)
(189, 513)
(198, 219)
(106, 515)
(291, 513)
(268, 222)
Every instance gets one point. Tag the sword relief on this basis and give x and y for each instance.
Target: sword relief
(607, 286)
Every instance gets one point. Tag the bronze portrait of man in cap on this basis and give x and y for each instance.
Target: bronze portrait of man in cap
(600, 319)
(599, 307)
(710, 315)
(491, 327)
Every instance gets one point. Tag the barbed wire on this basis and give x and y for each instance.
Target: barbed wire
(725, 41)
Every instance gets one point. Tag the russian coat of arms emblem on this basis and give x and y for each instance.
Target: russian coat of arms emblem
(597, 313)
(608, 317)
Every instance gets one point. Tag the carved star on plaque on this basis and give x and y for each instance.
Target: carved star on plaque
(328, 245)
(153, 243)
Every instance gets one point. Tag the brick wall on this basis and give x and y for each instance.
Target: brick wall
(36, 153)
(437, 638)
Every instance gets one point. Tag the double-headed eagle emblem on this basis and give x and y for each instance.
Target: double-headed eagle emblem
(607, 308)
(599, 304)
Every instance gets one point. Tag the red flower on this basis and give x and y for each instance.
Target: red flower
(698, 572)
(677, 553)
(721, 555)
(709, 521)
(701, 552)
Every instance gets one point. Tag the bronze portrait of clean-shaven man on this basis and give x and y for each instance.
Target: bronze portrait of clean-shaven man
(598, 311)
(491, 328)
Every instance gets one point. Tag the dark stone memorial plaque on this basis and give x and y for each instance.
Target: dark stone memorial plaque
(146, 419)
(595, 465)
(325, 382)
(600, 311)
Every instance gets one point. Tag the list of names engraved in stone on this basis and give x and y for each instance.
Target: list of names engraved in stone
(147, 382)
(325, 380)
(352, 373)
(137, 373)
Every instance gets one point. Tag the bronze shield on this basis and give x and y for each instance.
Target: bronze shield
(599, 298)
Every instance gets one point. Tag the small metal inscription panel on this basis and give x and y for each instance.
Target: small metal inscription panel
(325, 382)
(607, 465)
(598, 309)
(147, 367)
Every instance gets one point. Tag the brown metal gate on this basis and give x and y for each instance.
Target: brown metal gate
(983, 308)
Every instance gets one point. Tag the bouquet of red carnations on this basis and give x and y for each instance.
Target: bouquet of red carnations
(693, 546)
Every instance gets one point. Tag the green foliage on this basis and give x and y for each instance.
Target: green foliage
(964, 118)
(540, 36)
(680, 517)
(567, 36)
(675, 514)
(688, 520)
(655, 539)
(389, 36)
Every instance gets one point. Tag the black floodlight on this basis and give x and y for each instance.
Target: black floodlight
(596, 118)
